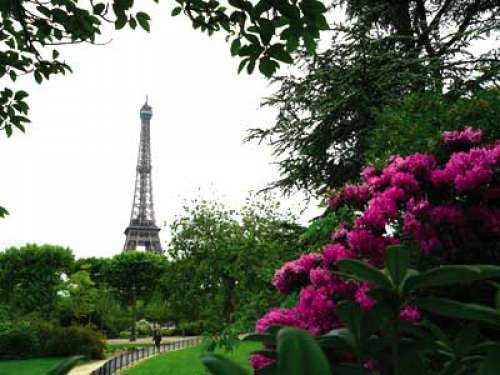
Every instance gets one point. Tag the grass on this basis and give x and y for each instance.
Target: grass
(187, 361)
(37, 366)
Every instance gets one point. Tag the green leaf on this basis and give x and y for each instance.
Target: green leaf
(235, 47)
(459, 310)
(256, 337)
(8, 130)
(176, 11)
(38, 77)
(277, 51)
(143, 20)
(298, 354)
(251, 65)
(450, 275)
(267, 67)
(66, 365)
(261, 7)
(120, 22)
(465, 339)
(20, 95)
(3, 212)
(218, 365)
(350, 314)
(310, 43)
(132, 23)
(397, 261)
(242, 4)
(339, 339)
(242, 64)
(266, 30)
(363, 272)
(99, 8)
(491, 365)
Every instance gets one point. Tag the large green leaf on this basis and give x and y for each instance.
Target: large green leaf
(459, 310)
(363, 272)
(65, 366)
(397, 260)
(450, 275)
(350, 314)
(465, 339)
(257, 337)
(298, 354)
(339, 339)
(491, 365)
(219, 365)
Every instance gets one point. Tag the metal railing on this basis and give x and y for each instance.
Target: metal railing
(123, 360)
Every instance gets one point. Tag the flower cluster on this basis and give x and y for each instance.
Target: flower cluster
(464, 138)
(442, 207)
(410, 314)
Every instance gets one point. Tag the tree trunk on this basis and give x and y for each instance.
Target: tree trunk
(134, 316)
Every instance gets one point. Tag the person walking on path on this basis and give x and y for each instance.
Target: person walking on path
(157, 338)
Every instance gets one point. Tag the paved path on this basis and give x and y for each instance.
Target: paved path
(147, 340)
(86, 368)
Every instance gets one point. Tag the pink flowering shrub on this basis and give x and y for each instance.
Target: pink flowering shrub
(450, 210)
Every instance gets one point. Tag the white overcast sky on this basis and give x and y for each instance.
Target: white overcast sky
(69, 180)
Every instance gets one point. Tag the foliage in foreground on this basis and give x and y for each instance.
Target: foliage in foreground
(407, 285)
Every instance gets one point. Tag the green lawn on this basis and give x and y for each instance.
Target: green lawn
(38, 366)
(187, 361)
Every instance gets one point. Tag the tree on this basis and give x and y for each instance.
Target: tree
(222, 260)
(80, 296)
(31, 277)
(134, 276)
(96, 267)
(381, 52)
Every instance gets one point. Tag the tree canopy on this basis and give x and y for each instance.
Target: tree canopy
(134, 276)
(31, 276)
(222, 261)
(379, 53)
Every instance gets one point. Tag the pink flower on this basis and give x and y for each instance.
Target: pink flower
(368, 173)
(449, 214)
(278, 316)
(291, 273)
(409, 314)
(259, 361)
(466, 137)
(316, 309)
(405, 181)
(340, 233)
(429, 245)
(371, 365)
(332, 253)
(362, 299)
(472, 179)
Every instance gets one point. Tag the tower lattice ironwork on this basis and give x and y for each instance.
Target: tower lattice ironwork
(142, 230)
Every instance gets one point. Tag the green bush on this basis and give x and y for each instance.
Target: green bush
(165, 332)
(143, 328)
(66, 341)
(190, 328)
(18, 341)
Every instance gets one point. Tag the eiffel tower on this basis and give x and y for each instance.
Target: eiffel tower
(142, 230)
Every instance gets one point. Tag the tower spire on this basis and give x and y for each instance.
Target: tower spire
(142, 230)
